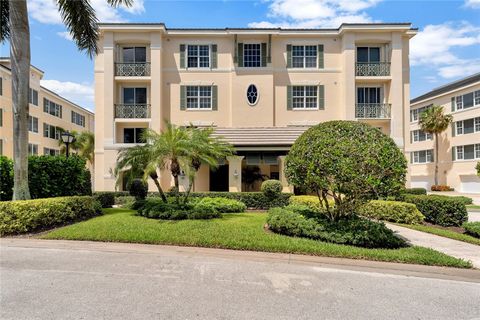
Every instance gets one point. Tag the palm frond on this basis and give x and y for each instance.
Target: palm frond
(4, 20)
(116, 3)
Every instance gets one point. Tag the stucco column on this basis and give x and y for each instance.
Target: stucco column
(396, 91)
(282, 177)
(349, 94)
(235, 173)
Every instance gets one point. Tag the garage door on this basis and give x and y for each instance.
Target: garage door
(470, 184)
(421, 182)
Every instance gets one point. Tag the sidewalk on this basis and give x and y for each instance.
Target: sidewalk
(448, 246)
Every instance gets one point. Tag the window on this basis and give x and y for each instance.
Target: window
(469, 100)
(304, 56)
(368, 54)
(133, 135)
(32, 124)
(422, 156)
(32, 149)
(468, 126)
(199, 97)
(78, 119)
(51, 132)
(415, 113)
(468, 152)
(134, 95)
(51, 152)
(198, 56)
(252, 55)
(305, 97)
(369, 95)
(52, 108)
(419, 135)
(134, 54)
(252, 94)
(33, 96)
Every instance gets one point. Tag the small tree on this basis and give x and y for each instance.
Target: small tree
(434, 121)
(477, 167)
(348, 161)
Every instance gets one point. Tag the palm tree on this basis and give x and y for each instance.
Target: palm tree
(87, 146)
(205, 149)
(137, 161)
(434, 121)
(81, 21)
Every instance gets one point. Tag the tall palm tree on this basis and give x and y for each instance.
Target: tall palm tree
(434, 121)
(87, 146)
(81, 21)
(137, 161)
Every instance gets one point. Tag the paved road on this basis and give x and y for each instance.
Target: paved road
(86, 280)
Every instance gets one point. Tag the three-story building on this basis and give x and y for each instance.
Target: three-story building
(259, 88)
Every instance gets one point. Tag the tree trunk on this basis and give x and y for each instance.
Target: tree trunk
(159, 187)
(436, 158)
(20, 59)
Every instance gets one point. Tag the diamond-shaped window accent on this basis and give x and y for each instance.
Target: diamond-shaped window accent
(252, 94)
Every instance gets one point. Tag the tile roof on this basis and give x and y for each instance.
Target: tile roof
(262, 136)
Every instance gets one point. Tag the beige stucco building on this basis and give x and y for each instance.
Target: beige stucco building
(259, 88)
(459, 146)
(48, 111)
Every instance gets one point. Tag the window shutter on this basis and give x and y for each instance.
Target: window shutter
(240, 55)
(411, 136)
(454, 127)
(320, 56)
(214, 98)
(182, 56)
(183, 98)
(214, 56)
(289, 55)
(411, 157)
(264, 54)
(321, 97)
(453, 103)
(45, 105)
(453, 154)
(289, 98)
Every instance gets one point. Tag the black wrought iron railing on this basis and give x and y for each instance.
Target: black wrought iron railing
(372, 69)
(373, 110)
(132, 111)
(132, 69)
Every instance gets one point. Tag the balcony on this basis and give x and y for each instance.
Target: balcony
(372, 69)
(132, 69)
(132, 111)
(373, 110)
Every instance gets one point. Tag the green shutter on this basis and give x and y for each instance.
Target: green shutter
(183, 98)
(320, 56)
(214, 98)
(240, 55)
(411, 157)
(214, 56)
(264, 54)
(454, 127)
(289, 98)
(182, 56)
(411, 136)
(289, 55)
(321, 97)
(453, 154)
(453, 103)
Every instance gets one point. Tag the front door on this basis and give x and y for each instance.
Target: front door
(219, 178)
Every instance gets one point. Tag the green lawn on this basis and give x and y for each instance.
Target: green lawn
(444, 233)
(473, 207)
(233, 231)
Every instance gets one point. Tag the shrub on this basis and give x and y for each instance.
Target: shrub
(310, 201)
(352, 230)
(124, 201)
(222, 205)
(271, 188)
(439, 187)
(394, 211)
(138, 189)
(415, 191)
(106, 199)
(6, 179)
(156, 208)
(472, 228)
(464, 200)
(477, 167)
(350, 160)
(31, 215)
(441, 210)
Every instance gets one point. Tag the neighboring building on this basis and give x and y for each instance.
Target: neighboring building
(260, 89)
(459, 146)
(48, 112)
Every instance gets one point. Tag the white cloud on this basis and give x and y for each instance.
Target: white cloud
(435, 45)
(66, 35)
(46, 11)
(316, 13)
(475, 4)
(80, 93)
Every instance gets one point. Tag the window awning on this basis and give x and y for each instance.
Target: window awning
(268, 137)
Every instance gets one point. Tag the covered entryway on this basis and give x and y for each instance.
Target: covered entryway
(219, 178)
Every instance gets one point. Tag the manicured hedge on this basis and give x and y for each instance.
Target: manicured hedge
(31, 215)
(472, 228)
(106, 199)
(6, 179)
(222, 205)
(416, 191)
(441, 210)
(394, 211)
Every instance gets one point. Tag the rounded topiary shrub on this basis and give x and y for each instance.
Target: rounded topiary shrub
(348, 161)
(271, 188)
(138, 189)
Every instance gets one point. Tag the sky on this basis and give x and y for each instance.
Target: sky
(446, 48)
